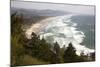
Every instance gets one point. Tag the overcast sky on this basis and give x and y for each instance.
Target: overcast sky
(62, 7)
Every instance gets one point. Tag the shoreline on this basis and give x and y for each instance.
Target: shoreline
(38, 26)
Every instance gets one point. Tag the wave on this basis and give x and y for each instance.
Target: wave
(62, 30)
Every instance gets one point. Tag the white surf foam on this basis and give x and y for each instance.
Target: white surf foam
(62, 30)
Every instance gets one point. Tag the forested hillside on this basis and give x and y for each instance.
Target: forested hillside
(37, 51)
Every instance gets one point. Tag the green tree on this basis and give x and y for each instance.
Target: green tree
(57, 51)
(17, 39)
(40, 49)
(70, 54)
(57, 48)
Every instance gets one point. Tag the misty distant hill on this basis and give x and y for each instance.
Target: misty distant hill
(34, 12)
(33, 15)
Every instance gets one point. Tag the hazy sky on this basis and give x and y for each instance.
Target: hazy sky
(64, 7)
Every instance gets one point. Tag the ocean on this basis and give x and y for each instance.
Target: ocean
(77, 29)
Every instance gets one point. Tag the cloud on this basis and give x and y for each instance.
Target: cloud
(81, 9)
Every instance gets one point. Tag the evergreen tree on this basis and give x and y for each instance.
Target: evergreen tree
(57, 51)
(70, 54)
(38, 48)
(57, 48)
(17, 39)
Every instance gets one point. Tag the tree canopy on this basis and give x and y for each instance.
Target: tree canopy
(38, 51)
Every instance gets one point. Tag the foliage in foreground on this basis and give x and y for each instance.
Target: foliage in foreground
(37, 51)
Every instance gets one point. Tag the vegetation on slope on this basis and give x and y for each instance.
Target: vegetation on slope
(37, 51)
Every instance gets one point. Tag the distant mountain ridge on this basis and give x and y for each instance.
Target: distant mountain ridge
(35, 12)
